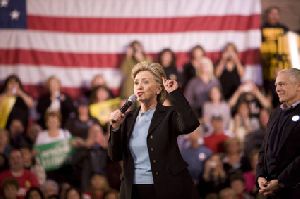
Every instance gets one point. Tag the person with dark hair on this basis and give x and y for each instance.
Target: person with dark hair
(279, 158)
(14, 102)
(34, 193)
(72, 193)
(146, 138)
(167, 59)
(10, 188)
(25, 178)
(229, 70)
(189, 69)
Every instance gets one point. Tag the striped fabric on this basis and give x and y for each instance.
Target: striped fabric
(76, 39)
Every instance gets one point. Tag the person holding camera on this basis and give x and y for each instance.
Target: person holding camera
(134, 54)
(229, 70)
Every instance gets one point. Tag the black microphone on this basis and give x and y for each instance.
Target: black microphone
(128, 103)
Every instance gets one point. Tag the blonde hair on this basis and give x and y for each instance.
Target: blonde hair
(157, 71)
(207, 63)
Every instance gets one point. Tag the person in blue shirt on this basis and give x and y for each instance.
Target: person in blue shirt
(145, 139)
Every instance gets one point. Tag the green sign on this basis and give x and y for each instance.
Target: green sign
(53, 155)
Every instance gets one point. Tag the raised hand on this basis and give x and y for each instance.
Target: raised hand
(170, 85)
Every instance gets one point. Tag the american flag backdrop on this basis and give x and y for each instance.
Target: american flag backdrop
(76, 39)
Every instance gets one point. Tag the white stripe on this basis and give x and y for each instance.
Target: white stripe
(77, 77)
(254, 73)
(116, 43)
(142, 8)
(70, 77)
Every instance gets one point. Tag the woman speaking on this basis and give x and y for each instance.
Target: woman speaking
(146, 139)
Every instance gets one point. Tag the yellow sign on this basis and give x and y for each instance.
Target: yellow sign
(102, 110)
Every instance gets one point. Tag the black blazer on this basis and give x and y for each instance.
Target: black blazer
(67, 108)
(169, 170)
(287, 155)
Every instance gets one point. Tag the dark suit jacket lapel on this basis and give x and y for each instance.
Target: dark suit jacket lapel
(157, 118)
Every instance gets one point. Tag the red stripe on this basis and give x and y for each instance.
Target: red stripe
(36, 90)
(144, 25)
(57, 59)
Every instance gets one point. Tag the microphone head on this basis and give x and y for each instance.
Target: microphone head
(132, 98)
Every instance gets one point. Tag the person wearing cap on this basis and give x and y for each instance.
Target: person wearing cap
(146, 139)
(279, 158)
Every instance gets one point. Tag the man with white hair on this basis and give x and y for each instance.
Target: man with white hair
(279, 161)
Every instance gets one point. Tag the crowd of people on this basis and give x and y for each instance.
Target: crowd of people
(222, 153)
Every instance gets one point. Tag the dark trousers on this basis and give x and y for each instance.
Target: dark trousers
(143, 191)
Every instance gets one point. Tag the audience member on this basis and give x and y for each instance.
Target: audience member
(189, 69)
(55, 100)
(197, 90)
(232, 156)
(237, 184)
(195, 154)
(167, 59)
(10, 188)
(79, 125)
(50, 188)
(135, 53)
(14, 102)
(216, 106)
(72, 193)
(250, 176)
(229, 70)
(214, 177)
(34, 193)
(215, 140)
(25, 178)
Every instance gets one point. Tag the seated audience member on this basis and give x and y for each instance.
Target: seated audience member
(227, 193)
(198, 88)
(72, 193)
(189, 69)
(229, 70)
(195, 154)
(25, 178)
(34, 193)
(10, 189)
(50, 188)
(54, 131)
(167, 59)
(250, 176)
(242, 124)
(232, 156)
(254, 140)
(216, 106)
(100, 94)
(5, 147)
(215, 140)
(16, 133)
(90, 156)
(250, 93)
(31, 164)
(97, 80)
(135, 53)
(112, 194)
(14, 102)
(54, 99)
(214, 177)
(237, 184)
(98, 187)
(52, 134)
(79, 125)
(29, 137)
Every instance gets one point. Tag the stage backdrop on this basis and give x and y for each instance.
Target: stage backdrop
(76, 39)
